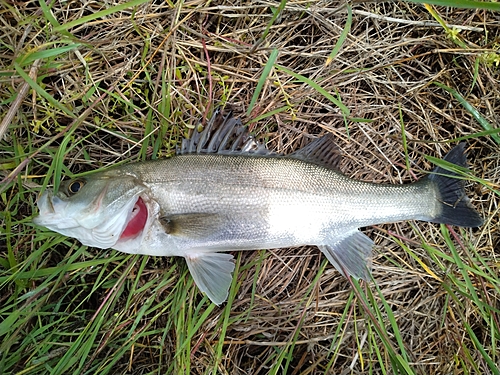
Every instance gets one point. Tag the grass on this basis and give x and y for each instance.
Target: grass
(86, 87)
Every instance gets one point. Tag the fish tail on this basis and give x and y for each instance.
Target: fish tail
(456, 208)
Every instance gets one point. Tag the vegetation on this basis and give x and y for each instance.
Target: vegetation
(86, 85)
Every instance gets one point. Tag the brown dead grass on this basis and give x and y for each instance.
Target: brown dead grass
(384, 70)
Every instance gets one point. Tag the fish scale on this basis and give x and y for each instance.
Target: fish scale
(286, 182)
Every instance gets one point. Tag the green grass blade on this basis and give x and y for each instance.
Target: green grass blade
(265, 73)
(471, 4)
(338, 335)
(471, 109)
(491, 364)
(276, 13)
(342, 37)
(40, 91)
(318, 88)
(47, 53)
(100, 14)
(224, 326)
(403, 357)
(269, 114)
(50, 17)
(399, 360)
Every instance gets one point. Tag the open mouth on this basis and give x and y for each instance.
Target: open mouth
(137, 220)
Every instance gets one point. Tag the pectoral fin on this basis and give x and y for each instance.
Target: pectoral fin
(350, 254)
(192, 225)
(212, 273)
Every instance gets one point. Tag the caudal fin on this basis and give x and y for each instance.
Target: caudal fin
(456, 208)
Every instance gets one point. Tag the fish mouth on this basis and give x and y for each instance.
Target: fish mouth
(46, 203)
(137, 221)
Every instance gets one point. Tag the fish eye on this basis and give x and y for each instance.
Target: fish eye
(75, 186)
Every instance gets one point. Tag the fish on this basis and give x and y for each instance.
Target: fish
(224, 191)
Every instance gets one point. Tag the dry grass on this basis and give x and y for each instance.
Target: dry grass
(136, 81)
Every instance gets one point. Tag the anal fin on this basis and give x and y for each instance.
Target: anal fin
(351, 254)
(212, 273)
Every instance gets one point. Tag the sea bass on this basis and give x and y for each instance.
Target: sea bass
(225, 192)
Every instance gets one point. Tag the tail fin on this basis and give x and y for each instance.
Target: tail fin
(456, 206)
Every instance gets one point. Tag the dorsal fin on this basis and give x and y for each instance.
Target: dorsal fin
(223, 134)
(322, 151)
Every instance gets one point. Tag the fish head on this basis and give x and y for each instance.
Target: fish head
(98, 210)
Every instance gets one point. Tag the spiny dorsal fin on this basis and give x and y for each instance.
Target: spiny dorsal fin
(223, 134)
(322, 151)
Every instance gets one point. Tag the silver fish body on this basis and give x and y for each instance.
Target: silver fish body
(198, 205)
(225, 202)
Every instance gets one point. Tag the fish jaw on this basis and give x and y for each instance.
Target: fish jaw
(93, 225)
(51, 213)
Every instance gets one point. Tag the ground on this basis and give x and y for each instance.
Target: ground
(85, 85)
